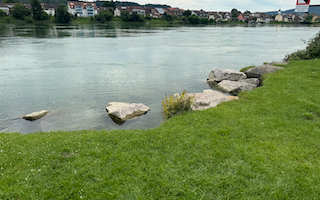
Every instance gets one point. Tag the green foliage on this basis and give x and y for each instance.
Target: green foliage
(135, 17)
(125, 16)
(167, 16)
(20, 11)
(235, 13)
(104, 16)
(308, 19)
(29, 19)
(2, 13)
(187, 13)
(62, 15)
(109, 4)
(11, 1)
(37, 12)
(312, 51)
(204, 21)
(193, 19)
(173, 105)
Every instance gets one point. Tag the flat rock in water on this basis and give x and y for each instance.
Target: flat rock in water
(124, 111)
(35, 115)
(257, 72)
(219, 75)
(208, 99)
(235, 87)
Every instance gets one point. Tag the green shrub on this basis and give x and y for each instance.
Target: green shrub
(176, 104)
(29, 19)
(312, 51)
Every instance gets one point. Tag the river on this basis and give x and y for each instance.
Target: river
(75, 71)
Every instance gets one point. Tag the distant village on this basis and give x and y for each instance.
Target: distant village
(90, 9)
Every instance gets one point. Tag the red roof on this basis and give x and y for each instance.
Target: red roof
(84, 5)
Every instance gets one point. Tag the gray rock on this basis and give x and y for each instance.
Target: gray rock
(257, 72)
(219, 75)
(124, 111)
(253, 81)
(35, 115)
(208, 99)
(235, 87)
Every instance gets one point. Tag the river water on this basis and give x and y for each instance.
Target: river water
(75, 71)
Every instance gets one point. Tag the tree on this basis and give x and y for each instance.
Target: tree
(109, 4)
(104, 15)
(125, 16)
(247, 12)
(187, 13)
(193, 19)
(62, 15)
(11, 1)
(2, 13)
(235, 13)
(136, 18)
(167, 16)
(19, 11)
(37, 12)
(308, 19)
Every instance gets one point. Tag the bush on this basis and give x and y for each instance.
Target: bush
(29, 19)
(176, 104)
(2, 13)
(312, 51)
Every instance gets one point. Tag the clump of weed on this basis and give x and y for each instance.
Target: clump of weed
(176, 104)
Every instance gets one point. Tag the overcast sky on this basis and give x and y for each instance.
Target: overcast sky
(228, 5)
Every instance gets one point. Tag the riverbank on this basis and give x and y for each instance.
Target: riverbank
(264, 146)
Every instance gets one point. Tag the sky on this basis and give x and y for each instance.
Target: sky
(228, 5)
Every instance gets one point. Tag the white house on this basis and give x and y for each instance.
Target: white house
(4, 8)
(117, 12)
(82, 9)
(279, 17)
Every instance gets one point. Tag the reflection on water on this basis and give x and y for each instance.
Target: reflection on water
(75, 71)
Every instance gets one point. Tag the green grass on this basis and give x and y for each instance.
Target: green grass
(244, 69)
(264, 146)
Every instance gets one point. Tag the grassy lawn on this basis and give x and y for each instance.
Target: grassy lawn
(264, 146)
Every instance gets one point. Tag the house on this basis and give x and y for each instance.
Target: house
(50, 9)
(160, 11)
(214, 16)
(5, 8)
(175, 11)
(315, 18)
(241, 18)
(82, 9)
(201, 13)
(117, 12)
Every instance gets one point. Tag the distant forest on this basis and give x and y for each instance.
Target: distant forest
(99, 3)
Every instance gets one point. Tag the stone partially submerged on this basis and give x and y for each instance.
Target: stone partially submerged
(35, 115)
(120, 112)
(257, 72)
(208, 99)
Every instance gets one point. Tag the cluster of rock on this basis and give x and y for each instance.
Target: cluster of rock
(227, 80)
(233, 81)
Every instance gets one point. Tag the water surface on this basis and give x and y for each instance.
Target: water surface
(75, 71)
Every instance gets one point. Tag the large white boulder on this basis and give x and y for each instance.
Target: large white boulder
(235, 87)
(219, 75)
(125, 111)
(257, 72)
(208, 99)
(35, 115)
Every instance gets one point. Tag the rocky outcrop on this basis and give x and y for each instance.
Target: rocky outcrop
(235, 87)
(218, 75)
(208, 99)
(35, 115)
(120, 112)
(257, 72)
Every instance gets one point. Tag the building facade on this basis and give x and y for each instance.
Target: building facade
(82, 9)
